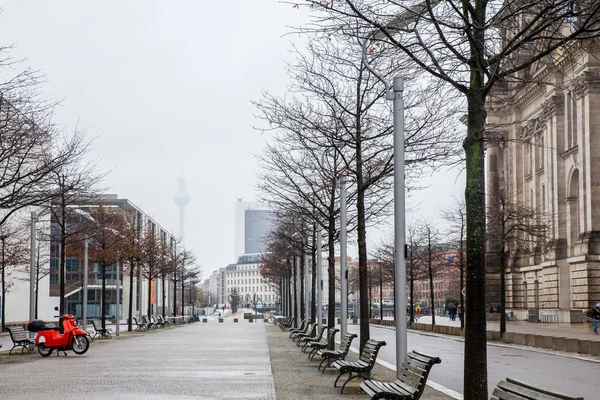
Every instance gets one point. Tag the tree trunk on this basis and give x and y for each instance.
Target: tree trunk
(302, 288)
(502, 295)
(182, 295)
(3, 289)
(164, 296)
(380, 293)
(103, 296)
(131, 276)
(475, 370)
(331, 263)
(150, 278)
(313, 294)
(63, 259)
(175, 293)
(362, 255)
(431, 294)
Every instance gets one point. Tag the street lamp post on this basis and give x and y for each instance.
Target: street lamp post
(343, 265)
(319, 279)
(395, 94)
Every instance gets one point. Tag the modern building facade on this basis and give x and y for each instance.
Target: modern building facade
(542, 151)
(245, 278)
(48, 286)
(253, 225)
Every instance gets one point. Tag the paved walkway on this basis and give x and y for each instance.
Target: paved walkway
(296, 377)
(203, 360)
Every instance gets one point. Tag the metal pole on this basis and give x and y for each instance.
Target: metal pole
(118, 292)
(85, 283)
(298, 293)
(399, 224)
(32, 267)
(319, 279)
(309, 313)
(343, 266)
(139, 289)
(32, 274)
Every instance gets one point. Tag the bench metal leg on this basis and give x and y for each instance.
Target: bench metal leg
(339, 376)
(350, 377)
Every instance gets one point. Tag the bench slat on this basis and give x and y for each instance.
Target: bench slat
(509, 388)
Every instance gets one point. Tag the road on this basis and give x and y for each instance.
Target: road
(557, 372)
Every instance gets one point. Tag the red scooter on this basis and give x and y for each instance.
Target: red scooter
(66, 336)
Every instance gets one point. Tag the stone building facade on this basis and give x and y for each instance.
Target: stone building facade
(543, 152)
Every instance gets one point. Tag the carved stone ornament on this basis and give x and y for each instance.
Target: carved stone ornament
(589, 80)
(553, 106)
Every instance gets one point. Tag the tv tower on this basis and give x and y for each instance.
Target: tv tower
(182, 199)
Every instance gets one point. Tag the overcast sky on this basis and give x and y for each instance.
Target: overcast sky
(165, 87)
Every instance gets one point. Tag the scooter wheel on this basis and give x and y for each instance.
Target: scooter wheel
(43, 350)
(80, 344)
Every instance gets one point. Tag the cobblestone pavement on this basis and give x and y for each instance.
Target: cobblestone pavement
(200, 361)
(296, 377)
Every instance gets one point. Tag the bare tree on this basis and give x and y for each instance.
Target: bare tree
(457, 218)
(106, 246)
(13, 253)
(132, 254)
(514, 229)
(475, 46)
(151, 261)
(433, 258)
(337, 107)
(71, 185)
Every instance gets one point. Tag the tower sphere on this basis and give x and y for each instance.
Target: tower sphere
(182, 198)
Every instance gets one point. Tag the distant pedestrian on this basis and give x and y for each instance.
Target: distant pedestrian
(459, 312)
(596, 317)
(418, 311)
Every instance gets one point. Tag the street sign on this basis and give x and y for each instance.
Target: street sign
(464, 291)
(259, 304)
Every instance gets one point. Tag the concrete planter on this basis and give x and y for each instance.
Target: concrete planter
(520, 339)
(235, 320)
(595, 348)
(584, 346)
(509, 337)
(204, 320)
(559, 344)
(220, 319)
(571, 345)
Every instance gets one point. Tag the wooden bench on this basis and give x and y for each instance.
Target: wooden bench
(166, 322)
(301, 328)
(310, 333)
(510, 389)
(99, 332)
(20, 338)
(140, 326)
(284, 323)
(330, 356)
(305, 341)
(295, 335)
(413, 377)
(329, 342)
(148, 323)
(361, 368)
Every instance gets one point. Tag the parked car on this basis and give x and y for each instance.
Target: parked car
(387, 302)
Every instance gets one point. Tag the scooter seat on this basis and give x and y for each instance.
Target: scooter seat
(53, 328)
